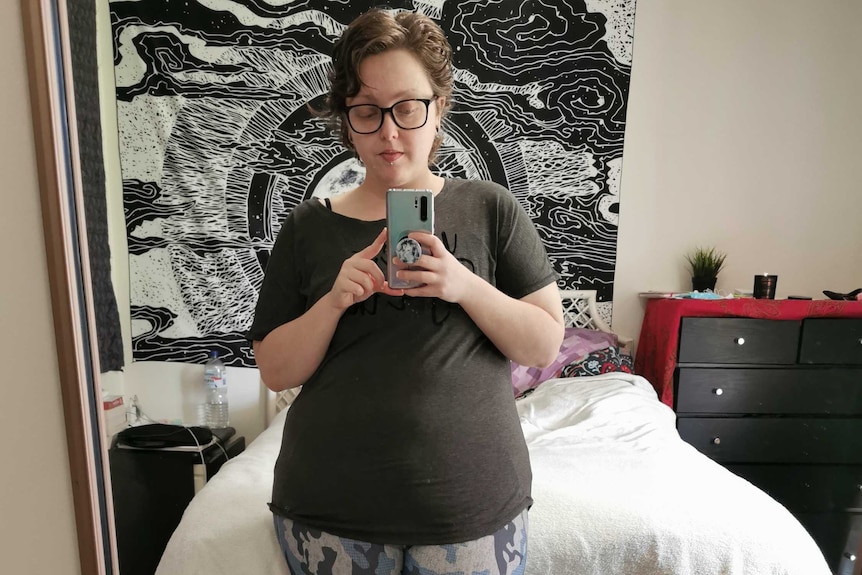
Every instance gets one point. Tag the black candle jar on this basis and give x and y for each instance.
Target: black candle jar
(764, 286)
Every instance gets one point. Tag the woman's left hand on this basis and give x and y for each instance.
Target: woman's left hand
(443, 275)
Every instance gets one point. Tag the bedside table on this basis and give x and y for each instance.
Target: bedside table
(775, 397)
(151, 489)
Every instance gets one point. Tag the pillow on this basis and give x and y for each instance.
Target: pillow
(607, 360)
(578, 342)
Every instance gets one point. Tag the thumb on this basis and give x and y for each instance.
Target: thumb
(375, 247)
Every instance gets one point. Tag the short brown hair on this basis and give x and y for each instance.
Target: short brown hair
(378, 31)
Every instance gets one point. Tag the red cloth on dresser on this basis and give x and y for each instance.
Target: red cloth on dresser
(659, 338)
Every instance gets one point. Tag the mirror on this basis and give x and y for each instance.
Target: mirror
(236, 150)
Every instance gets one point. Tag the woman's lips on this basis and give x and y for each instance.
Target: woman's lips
(390, 157)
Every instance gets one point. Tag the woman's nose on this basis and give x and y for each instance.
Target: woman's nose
(389, 128)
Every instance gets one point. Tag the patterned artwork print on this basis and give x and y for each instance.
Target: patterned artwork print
(217, 144)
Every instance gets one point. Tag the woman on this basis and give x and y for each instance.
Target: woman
(405, 439)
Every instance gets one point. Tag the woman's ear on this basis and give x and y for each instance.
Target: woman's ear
(441, 105)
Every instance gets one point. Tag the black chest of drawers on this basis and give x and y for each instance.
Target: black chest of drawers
(780, 403)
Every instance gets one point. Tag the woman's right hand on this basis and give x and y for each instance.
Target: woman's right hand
(360, 277)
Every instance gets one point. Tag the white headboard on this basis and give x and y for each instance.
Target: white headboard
(579, 310)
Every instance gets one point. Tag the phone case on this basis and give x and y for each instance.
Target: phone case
(406, 211)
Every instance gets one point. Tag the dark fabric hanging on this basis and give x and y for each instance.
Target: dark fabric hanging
(82, 30)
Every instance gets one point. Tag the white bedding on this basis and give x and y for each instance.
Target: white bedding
(616, 491)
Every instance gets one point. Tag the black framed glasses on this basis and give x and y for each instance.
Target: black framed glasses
(407, 114)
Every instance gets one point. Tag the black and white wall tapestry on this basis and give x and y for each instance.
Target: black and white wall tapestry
(217, 144)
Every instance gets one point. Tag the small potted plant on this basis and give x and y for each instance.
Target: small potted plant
(704, 264)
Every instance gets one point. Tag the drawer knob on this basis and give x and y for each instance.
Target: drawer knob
(716, 441)
(850, 556)
(718, 391)
(740, 341)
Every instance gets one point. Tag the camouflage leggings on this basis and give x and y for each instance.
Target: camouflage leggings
(312, 552)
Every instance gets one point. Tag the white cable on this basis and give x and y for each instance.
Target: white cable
(141, 415)
(223, 450)
(200, 449)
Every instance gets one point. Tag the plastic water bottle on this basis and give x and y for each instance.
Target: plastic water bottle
(216, 407)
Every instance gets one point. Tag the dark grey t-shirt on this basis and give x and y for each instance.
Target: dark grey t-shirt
(407, 433)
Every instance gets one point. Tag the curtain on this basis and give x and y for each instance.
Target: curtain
(82, 29)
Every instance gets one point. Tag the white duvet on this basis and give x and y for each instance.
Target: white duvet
(616, 491)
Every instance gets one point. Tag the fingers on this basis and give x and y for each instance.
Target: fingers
(425, 271)
(366, 273)
(420, 277)
(360, 276)
(441, 276)
(358, 283)
(429, 241)
(363, 276)
(391, 291)
(375, 246)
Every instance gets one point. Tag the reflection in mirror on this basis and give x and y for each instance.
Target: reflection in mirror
(195, 123)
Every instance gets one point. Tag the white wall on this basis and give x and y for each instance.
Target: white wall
(37, 522)
(744, 131)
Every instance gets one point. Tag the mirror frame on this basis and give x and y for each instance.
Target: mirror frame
(46, 38)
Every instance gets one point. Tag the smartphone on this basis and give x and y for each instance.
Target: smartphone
(406, 211)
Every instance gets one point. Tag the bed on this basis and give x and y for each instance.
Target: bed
(616, 491)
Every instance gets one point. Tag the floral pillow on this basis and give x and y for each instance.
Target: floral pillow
(577, 344)
(607, 360)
